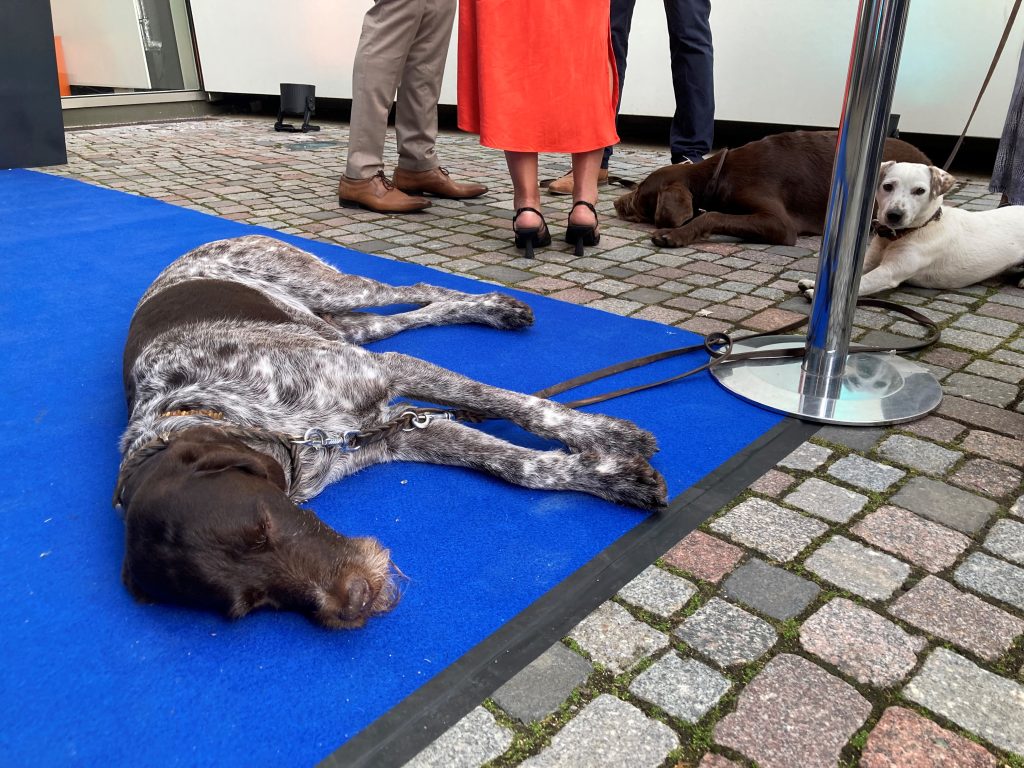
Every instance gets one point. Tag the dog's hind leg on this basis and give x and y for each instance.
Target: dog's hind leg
(417, 379)
(625, 479)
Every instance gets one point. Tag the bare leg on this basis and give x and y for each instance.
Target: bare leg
(522, 167)
(619, 478)
(585, 168)
(414, 378)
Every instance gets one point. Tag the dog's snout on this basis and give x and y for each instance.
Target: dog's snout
(357, 598)
(894, 216)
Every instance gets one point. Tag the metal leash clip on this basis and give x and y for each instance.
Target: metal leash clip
(318, 438)
(421, 420)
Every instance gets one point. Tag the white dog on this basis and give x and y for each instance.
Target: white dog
(919, 241)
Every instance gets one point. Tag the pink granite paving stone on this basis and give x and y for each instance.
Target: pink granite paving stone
(771, 318)
(942, 610)
(904, 739)
(717, 761)
(793, 713)
(860, 643)
(995, 447)
(722, 249)
(704, 556)
(927, 545)
(772, 483)
(936, 429)
(987, 477)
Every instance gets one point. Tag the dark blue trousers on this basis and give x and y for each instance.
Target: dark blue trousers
(692, 54)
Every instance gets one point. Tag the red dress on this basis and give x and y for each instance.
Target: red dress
(537, 75)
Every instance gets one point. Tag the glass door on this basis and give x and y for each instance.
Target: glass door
(108, 47)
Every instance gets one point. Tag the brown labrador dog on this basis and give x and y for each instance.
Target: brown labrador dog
(767, 191)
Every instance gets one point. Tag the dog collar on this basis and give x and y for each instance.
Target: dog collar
(711, 186)
(207, 412)
(887, 232)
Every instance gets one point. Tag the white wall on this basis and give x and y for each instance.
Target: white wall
(776, 61)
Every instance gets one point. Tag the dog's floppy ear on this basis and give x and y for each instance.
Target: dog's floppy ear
(675, 205)
(942, 182)
(884, 168)
(214, 459)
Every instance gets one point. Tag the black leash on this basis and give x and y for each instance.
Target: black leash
(984, 85)
(719, 347)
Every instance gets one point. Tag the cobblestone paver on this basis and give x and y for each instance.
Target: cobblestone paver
(616, 640)
(777, 532)
(611, 734)
(791, 640)
(543, 685)
(860, 643)
(858, 569)
(472, 741)
(904, 739)
(726, 634)
(919, 541)
(684, 688)
(793, 713)
(770, 590)
(704, 556)
(985, 704)
(658, 591)
(961, 618)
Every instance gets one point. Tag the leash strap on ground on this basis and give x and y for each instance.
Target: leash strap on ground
(984, 85)
(719, 347)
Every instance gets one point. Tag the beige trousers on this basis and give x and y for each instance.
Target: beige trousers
(403, 47)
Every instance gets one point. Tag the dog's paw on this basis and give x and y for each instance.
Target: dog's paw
(607, 434)
(625, 480)
(503, 311)
(806, 287)
(670, 238)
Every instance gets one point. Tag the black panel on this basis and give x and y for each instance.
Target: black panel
(31, 124)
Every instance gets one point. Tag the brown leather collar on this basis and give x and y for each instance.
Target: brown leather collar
(709, 188)
(880, 229)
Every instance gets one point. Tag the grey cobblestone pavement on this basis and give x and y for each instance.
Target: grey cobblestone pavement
(860, 604)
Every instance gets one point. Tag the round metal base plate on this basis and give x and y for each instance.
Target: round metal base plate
(876, 388)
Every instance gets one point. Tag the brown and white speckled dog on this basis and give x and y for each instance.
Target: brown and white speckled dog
(240, 342)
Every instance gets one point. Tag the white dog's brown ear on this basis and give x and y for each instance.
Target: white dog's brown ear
(884, 168)
(942, 182)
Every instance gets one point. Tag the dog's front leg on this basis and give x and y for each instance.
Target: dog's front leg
(616, 477)
(414, 378)
(872, 258)
(494, 309)
(759, 227)
(901, 263)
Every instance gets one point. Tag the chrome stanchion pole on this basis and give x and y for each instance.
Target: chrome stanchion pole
(828, 384)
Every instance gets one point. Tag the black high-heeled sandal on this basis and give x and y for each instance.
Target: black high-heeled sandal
(580, 235)
(531, 237)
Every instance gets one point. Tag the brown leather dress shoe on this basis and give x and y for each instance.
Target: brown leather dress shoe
(436, 182)
(563, 186)
(377, 193)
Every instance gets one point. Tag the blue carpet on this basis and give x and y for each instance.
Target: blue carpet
(89, 677)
